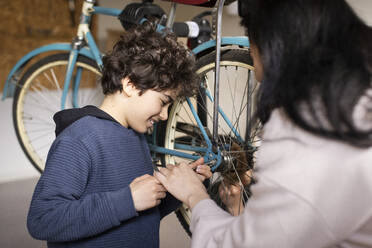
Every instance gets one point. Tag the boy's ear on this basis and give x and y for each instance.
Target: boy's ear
(128, 87)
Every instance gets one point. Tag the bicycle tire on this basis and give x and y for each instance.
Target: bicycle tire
(176, 130)
(38, 97)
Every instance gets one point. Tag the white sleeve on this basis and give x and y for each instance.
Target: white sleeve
(310, 192)
(276, 218)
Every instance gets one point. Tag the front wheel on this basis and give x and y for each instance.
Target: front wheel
(238, 137)
(38, 98)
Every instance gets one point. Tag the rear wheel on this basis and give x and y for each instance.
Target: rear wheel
(237, 132)
(38, 98)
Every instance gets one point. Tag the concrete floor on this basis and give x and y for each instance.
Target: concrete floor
(15, 198)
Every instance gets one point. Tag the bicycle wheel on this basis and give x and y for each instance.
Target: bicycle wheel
(238, 137)
(38, 98)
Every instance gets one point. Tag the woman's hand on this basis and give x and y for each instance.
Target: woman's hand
(203, 170)
(232, 196)
(183, 183)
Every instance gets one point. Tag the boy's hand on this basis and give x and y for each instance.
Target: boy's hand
(147, 192)
(203, 170)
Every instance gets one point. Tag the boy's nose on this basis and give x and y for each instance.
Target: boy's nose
(164, 113)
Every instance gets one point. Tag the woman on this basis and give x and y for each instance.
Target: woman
(314, 168)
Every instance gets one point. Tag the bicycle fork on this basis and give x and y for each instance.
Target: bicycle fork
(84, 37)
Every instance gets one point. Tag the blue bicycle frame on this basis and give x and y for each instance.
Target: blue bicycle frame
(85, 45)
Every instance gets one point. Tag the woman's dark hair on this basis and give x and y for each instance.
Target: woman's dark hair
(151, 60)
(317, 63)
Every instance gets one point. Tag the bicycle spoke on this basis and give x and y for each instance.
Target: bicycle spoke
(46, 102)
(232, 94)
(41, 88)
(55, 80)
(39, 106)
(236, 133)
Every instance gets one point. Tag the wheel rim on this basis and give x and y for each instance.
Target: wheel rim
(40, 98)
(234, 76)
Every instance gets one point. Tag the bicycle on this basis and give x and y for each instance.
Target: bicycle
(70, 79)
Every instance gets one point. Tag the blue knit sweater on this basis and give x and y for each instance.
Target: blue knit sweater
(83, 197)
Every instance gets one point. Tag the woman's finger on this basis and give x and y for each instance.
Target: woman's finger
(170, 166)
(161, 177)
(164, 171)
(196, 163)
(204, 172)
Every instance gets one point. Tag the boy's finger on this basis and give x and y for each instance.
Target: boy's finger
(160, 187)
(141, 178)
(161, 195)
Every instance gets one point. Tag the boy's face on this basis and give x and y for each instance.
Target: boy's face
(149, 108)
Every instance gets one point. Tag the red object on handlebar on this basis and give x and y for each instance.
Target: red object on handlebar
(204, 3)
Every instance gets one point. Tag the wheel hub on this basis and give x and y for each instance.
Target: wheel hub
(236, 164)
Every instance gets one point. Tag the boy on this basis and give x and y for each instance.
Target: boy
(97, 189)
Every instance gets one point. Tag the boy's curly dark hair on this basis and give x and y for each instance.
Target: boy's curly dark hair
(151, 60)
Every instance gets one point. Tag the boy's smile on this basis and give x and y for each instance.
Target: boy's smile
(149, 108)
(166, 99)
(139, 111)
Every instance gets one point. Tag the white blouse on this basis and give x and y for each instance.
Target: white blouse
(310, 192)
